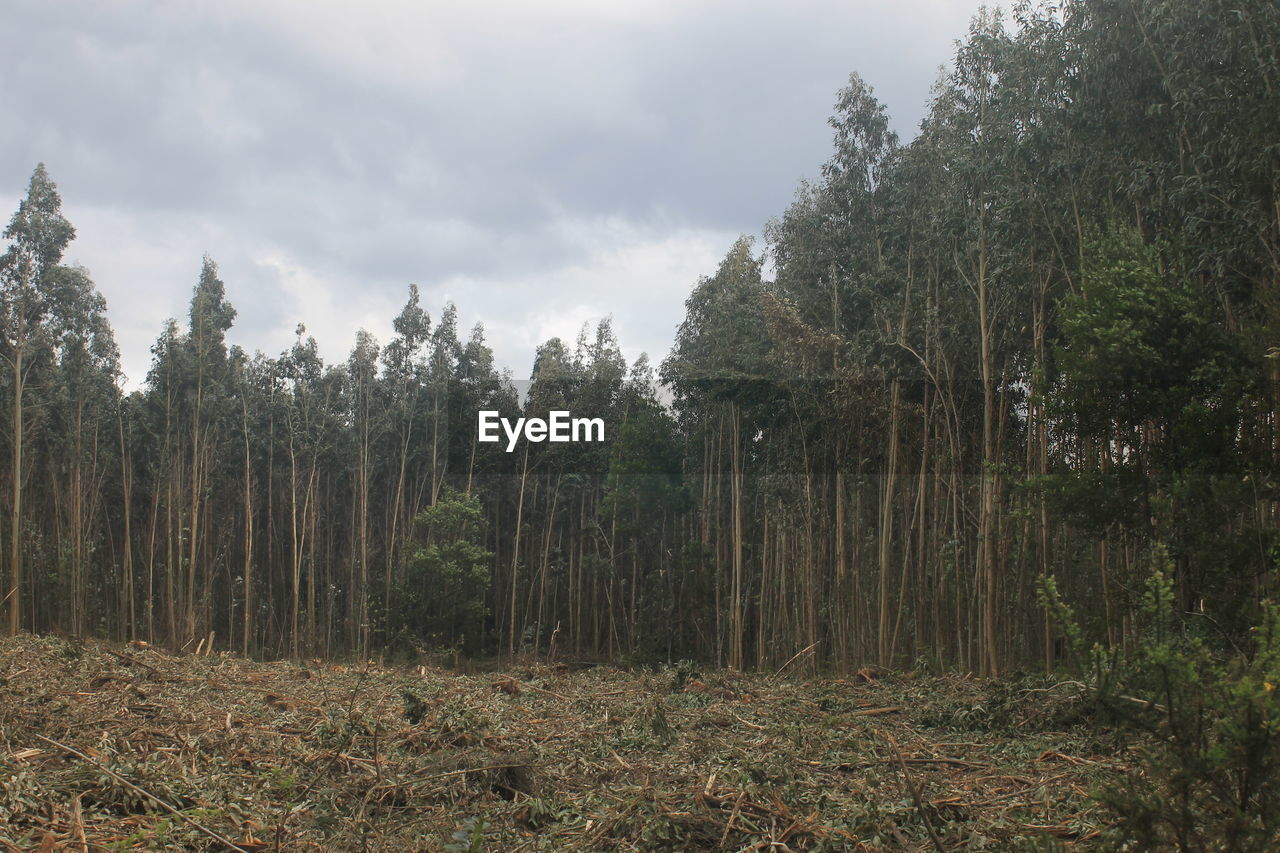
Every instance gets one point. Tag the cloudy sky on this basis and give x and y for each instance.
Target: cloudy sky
(540, 163)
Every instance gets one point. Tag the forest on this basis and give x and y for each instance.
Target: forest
(961, 387)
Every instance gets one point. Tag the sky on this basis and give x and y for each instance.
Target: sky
(540, 164)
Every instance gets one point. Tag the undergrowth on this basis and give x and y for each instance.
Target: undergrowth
(1207, 725)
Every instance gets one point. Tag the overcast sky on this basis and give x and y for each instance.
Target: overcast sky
(539, 163)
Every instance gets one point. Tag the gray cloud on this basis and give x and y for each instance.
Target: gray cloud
(537, 163)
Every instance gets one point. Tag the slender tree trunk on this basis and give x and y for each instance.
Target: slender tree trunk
(14, 594)
(515, 558)
(987, 588)
(126, 488)
(246, 644)
(886, 526)
(737, 591)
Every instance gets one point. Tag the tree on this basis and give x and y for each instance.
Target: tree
(80, 394)
(39, 234)
(206, 402)
(442, 601)
(366, 426)
(402, 377)
(716, 369)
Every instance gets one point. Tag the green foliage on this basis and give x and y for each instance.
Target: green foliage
(1147, 375)
(1210, 721)
(469, 836)
(443, 596)
(1076, 647)
(719, 349)
(1212, 776)
(659, 725)
(682, 672)
(1140, 345)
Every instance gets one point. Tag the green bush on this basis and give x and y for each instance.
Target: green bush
(1208, 776)
(441, 603)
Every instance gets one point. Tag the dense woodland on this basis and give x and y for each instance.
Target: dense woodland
(1036, 342)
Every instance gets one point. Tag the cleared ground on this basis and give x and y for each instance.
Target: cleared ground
(107, 747)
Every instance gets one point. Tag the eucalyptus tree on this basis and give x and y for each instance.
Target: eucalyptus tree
(158, 412)
(837, 310)
(490, 470)
(602, 372)
(826, 386)
(478, 386)
(127, 434)
(864, 149)
(367, 427)
(443, 354)
(1183, 100)
(715, 370)
(553, 385)
(308, 433)
(81, 439)
(971, 123)
(402, 390)
(38, 235)
(259, 386)
(206, 404)
(643, 498)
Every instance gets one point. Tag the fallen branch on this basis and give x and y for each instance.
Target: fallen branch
(543, 690)
(737, 808)
(793, 658)
(915, 792)
(130, 661)
(953, 762)
(137, 790)
(1132, 700)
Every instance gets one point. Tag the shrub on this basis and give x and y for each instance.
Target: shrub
(1208, 778)
(441, 602)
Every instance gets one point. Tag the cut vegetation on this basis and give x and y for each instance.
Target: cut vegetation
(128, 748)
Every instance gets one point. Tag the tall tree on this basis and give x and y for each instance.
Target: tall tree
(38, 235)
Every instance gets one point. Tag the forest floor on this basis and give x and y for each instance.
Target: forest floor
(109, 747)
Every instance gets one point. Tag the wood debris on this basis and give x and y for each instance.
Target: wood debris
(135, 748)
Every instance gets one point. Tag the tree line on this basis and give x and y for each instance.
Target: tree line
(1035, 345)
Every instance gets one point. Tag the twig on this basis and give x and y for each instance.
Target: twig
(737, 807)
(315, 779)
(915, 793)
(77, 815)
(542, 690)
(1133, 700)
(131, 661)
(462, 772)
(1144, 703)
(792, 659)
(953, 762)
(132, 787)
